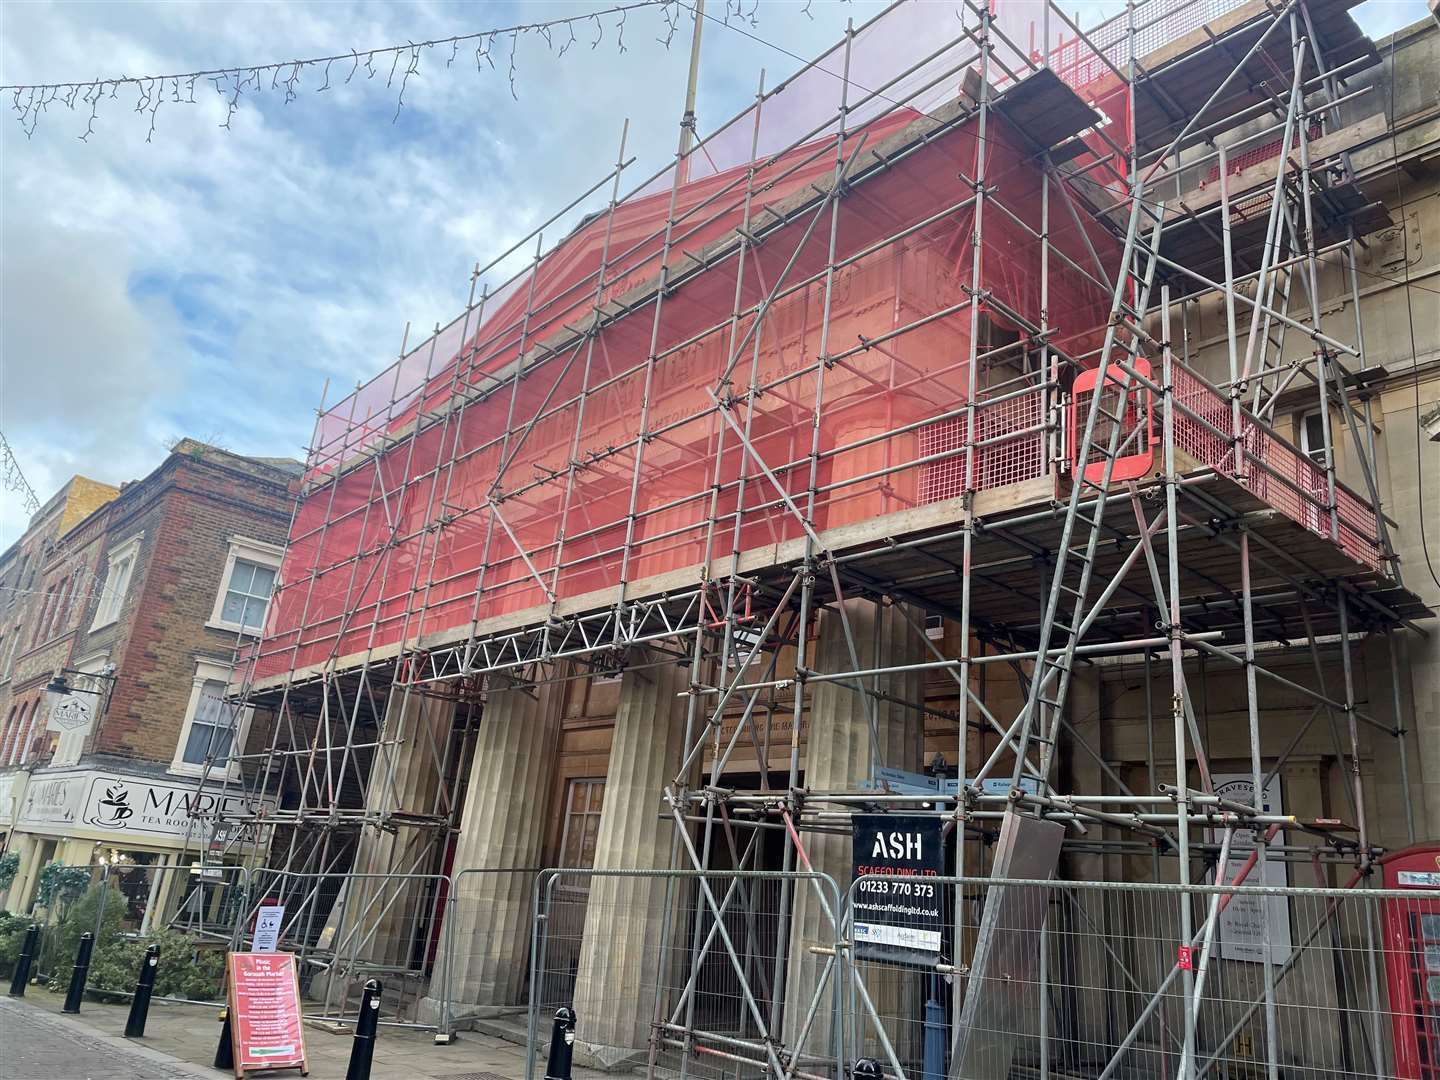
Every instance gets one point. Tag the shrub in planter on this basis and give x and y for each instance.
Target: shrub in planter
(9, 867)
(58, 885)
(64, 939)
(12, 936)
(186, 970)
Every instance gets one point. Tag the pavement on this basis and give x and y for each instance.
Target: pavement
(38, 1043)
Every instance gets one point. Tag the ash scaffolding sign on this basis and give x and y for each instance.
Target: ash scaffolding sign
(898, 921)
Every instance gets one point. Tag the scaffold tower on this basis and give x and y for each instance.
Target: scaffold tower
(879, 413)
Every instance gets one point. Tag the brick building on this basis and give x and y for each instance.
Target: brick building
(30, 602)
(137, 596)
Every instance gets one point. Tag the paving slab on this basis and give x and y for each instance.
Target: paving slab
(37, 1042)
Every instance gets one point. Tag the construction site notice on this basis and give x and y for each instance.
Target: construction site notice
(899, 917)
(265, 1012)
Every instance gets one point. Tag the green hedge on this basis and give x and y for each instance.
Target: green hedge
(12, 936)
(186, 969)
(63, 939)
(9, 867)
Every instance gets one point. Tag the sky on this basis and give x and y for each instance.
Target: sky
(213, 282)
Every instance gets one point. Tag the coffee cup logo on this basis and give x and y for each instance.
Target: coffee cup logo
(115, 809)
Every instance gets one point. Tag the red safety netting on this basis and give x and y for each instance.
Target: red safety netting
(517, 492)
(1273, 469)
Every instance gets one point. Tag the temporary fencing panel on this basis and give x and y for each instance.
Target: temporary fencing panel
(347, 928)
(663, 966)
(1092, 981)
(1086, 978)
(486, 944)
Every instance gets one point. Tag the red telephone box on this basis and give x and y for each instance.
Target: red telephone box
(1137, 447)
(1412, 959)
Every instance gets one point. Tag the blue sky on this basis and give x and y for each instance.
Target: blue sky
(210, 282)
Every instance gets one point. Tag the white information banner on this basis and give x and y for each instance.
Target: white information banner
(1241, 931)
(267, 927)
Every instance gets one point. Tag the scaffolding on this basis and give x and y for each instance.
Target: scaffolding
(913, 328)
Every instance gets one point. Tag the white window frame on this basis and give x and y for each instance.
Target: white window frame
(1320, 455)
(207, 671)
(254, 551)
(113, 593)
(579, 818)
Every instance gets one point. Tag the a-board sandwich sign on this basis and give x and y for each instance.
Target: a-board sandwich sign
(265, 1019)
(898, 918)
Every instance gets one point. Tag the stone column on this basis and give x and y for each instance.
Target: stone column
(838, 757)
(27, 847)
(1423, 655)
(1420, 672)
(502, 828)
(404, 779)
(625, 957)
(1086, 712)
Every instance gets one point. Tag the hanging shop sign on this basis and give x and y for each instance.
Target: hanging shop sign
(898, 918)
(72, 714)
(1240, 932)
(264, 998)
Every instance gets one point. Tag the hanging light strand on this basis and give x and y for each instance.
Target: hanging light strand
(396, 64)
(13, 479)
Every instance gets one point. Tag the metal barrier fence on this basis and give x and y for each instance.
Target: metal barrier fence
(718, 973)
(672, 971)
(1098, 979)
(347, 928)
(485, 963)
(1032, 978)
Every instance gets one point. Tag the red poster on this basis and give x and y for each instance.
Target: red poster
(265, 1012)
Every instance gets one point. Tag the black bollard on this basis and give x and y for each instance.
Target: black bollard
(362, 1050)
(867, 1069)
(23, 962)
(562, 1045)
(80, 973)
(144, 986)
(225, 1049)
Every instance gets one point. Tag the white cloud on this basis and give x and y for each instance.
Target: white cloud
(209, 282)
(83, 355)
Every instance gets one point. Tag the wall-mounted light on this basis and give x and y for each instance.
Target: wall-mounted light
(58, 684)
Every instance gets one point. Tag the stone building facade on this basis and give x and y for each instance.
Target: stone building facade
(597, 752)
